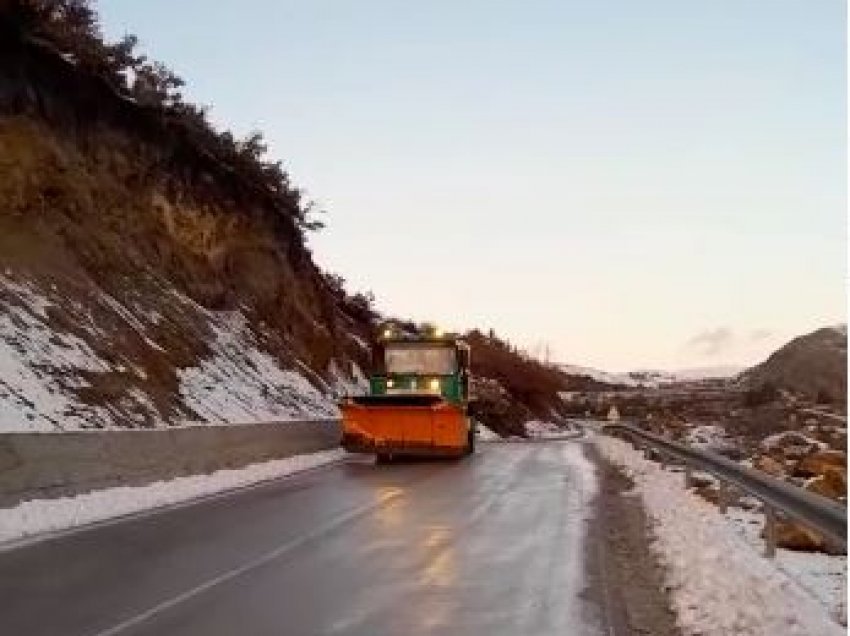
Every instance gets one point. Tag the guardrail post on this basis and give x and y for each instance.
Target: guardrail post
(769, 532)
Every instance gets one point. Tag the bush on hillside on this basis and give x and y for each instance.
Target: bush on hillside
(527, 381)
(71, 29)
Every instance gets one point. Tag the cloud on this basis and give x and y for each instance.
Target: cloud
(757, 335)
(725, 344)
(712, 342)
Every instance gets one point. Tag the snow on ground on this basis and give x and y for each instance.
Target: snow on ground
(48, 350)
(485, 434)
(792, 438)
(823, 575)
(38, 366)
(706, 373)
(720, 582)
(239, 383)
(50, 515)
(607, 377)
(545, 430)
(651, 378)
(346, 385)
(711, 437)
(705, 435)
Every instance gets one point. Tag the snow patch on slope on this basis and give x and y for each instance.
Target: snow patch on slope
(240, 383)
(346, 385)
(650, 378)
(607, 377)
(720, 584)
(706, 373)
(538, 429)
(485, 434)
(55, 349)
(39, 367)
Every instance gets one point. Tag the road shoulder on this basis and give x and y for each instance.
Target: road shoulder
(622, 570)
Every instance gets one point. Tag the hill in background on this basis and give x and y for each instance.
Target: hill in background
(813, 366)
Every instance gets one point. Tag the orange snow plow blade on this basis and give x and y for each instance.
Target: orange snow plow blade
(404, 425)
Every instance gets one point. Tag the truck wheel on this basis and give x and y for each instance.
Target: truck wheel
(470, 442)
(383, 458)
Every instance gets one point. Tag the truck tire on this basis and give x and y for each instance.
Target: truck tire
(470, 442)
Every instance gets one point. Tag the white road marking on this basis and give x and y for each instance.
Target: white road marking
(250, 565)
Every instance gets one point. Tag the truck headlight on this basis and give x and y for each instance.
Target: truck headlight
(390, 383)
(434, 384)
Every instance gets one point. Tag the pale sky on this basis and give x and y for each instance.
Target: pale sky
(638, 184)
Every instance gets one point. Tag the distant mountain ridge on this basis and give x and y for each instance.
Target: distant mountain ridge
(650, 377)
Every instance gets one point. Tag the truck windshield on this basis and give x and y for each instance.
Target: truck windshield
(420, 360)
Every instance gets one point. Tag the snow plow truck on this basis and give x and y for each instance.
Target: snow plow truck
(418, 398)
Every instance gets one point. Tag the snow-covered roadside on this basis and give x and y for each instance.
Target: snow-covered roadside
(720, 583)
(50, 515)
(485, 434)
(823, 575)
(537, 429)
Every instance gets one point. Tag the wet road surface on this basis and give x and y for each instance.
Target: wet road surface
(490, 545)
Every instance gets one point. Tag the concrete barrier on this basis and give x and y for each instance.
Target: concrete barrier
(39, 465)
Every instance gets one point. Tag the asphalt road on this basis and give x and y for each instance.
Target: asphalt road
(493, 544)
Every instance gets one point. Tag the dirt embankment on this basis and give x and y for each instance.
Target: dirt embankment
(131, 239)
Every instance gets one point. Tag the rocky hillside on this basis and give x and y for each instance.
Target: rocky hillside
(141, 265)
(813, 366)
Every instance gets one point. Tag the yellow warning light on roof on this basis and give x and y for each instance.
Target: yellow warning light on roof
(431, 330)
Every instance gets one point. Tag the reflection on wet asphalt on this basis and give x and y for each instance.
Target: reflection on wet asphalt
(485, 546)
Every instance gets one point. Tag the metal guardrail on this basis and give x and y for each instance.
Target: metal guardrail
(824, 515)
